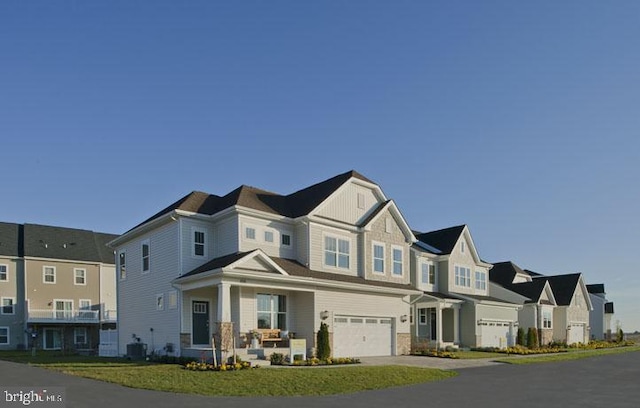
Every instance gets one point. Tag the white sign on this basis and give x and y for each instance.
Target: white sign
(298, 347)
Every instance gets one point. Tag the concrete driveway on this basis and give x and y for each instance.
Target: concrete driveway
(607, 381)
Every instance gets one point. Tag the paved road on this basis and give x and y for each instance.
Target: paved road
(606, 381)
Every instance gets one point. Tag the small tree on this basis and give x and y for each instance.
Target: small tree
(620, 335)
(322, 338)
(532, 338)
(520, 339)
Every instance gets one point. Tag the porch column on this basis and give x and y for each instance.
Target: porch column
(439, 325)
(456, 324)
(224, 302)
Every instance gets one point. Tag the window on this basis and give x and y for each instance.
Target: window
(397, 261)
(145, 256)
(64, 309)
(49, 274)
(80, 335)
(336, 252)
(85, 309)
(250, 233)
(80, 276)
(8, 306)
(361, 201)
(4, 335)
(546, 319)
(160, 301)
(173, 299)
(425, 273)
(463, 276)
(428, 273)
(268, 236)
(198, 242)
(432, 274)
(286, 239)
(378, 258)
(4, 275)
(122, 263)
(481, 280)
(462, 247)
(422, 316)
(272, 311)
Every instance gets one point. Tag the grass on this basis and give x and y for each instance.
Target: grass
(573, 355)
(302, 381)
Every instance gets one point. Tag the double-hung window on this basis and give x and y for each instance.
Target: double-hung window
(546, 319)
(145, 256)
(49, 274)
(285, 239)
(8, 305)
(422, 316)
(336, 252)
(268, 236)
(4, 335)
(199, 242)
(80, 335)
(378, 258)
(397, 261)
(4, 274)
(428, 272)
(271, 311)
(250, 233)
(80, 276)
(463, 276)
(481, 280)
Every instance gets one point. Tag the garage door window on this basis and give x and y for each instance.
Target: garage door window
(272, 311)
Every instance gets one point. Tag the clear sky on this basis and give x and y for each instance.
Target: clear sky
(520, 119)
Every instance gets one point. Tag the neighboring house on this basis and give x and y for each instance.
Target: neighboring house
(253, 261)
(602, 314)
(573, 304)
(455, 306)
(61, 283)
(509, 282)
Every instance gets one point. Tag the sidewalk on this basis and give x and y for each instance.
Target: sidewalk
(430, 362)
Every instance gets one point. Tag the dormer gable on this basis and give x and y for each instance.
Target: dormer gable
(392, 216)
(454, 239)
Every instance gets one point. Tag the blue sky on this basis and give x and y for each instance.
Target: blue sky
(520, 119)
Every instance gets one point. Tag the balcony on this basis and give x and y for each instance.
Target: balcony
(109, 316)
(63, 316)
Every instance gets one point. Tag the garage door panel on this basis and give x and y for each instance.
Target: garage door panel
(494, 334)
(356, 336)
(576, 334)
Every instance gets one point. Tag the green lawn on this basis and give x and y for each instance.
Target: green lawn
(285, 381)
(573, 355)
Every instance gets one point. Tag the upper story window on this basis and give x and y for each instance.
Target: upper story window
(48, 274)
(4, 274)
(250, 233)
(285, 239)
(122, 264)
(8, 306)
(378, 258)
(428, 273)
(397, 261)
(481, 280)
(462, 247)
(145, 256)
(546, 319)
(463, 276)
(199, 242)
(80, 276)
(336, 252)
(268, 236)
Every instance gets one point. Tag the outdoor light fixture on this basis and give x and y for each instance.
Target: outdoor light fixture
(403, 318)
(324, 314)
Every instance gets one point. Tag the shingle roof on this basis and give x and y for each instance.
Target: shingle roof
(374, 213)
(444, 239)
(596, 288)
(296, 204)
(10, 237)
(43, 241)
(486, 298)
(441, 295)
(503, 273)
(293, 268)
(563, 286)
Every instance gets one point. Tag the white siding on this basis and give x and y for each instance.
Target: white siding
(465, 259)
(108, 291)
(316, 238)
(189, 260)
(226, 237)
(344, 205)
(302, 247)
(274, 248)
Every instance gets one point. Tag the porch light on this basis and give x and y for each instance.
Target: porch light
(403, 318)
(324, 315)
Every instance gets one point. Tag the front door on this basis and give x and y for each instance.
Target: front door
(52, 339)
(200, 321)
(433, 324)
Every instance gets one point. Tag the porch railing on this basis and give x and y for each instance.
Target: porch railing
(109, 315)
(63, 316)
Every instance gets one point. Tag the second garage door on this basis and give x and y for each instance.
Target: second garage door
(494, 334)
(359, 336)
(576, 333)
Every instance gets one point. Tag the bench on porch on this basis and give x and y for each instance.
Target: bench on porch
(269, 336)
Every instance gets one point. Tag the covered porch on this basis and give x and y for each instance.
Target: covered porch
(436, 321)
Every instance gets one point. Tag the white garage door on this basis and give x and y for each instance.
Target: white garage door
(494, 334)
(359, 336)
(576, 334)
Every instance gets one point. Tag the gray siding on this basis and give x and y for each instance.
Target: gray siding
(344, 205)
(317, 234)
(226, 237)
(302, 247)
(394, 238)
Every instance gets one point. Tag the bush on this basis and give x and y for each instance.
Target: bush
(277, 359)
(620, 338)
(520, 339)
(323, 351)
(532, 338)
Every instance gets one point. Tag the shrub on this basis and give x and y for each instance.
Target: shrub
(520, 339)
(532, 338)
(277, 359)
(620, 338)
(323, 351)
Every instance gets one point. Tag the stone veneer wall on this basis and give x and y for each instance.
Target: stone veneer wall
(403, 343)
(546, 336)
(185, 340)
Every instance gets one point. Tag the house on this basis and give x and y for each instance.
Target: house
(573, 304)
(58, 290)
(257, 263)
(602, 314)
(511, 283)
(455, 306)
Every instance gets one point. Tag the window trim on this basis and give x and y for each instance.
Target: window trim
(273, 315)
(246, 233)
(373, 257)
(44, 274)
(56, 310)
(159, 301)
(337, 252)
(5, 273)
(420, 316)
(147, 257)
(550, 320)
(172, 295)
(273, 236)
(466, 278)
(395, 248)
(194, 244)
(282, 235)
(122, 265)
(13, 305)
(75, 334)
(483, 280)
(8, 335)
(75, 276)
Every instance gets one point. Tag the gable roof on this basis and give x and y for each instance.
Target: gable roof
(444, 240)
(532, 290)
(596, 288)
(503, 273)
(10, 238)
(44, 241)
(563, 286)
